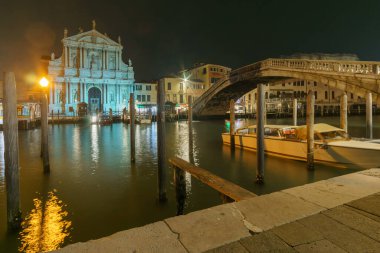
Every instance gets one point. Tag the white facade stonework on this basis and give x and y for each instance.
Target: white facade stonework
(90, 70)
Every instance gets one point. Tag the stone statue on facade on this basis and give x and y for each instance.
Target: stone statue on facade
(52, 56)
(119, 39)
(65, 32)
(93, 24)
(130, 62)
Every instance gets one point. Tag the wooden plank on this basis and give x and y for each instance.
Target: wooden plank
(221, 185)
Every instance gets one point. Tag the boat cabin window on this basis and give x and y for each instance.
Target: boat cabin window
(289, 133)
(333, 135)
(271, 131)
(243, 131)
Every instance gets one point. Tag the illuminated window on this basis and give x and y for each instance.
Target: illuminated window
(169, 86)
(148, 87)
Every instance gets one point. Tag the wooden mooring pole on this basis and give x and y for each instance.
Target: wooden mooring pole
(369, 115)
(132, 126)
(260, 134)
(161, 142)
(10, 128)
(44, 132)
(232, 124)
(343, 112)
(190, 122)
(295, 112)
(310, 129)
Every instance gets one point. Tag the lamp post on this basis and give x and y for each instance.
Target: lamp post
(44, 126)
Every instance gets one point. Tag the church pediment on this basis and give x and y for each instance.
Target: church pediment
(92, 36)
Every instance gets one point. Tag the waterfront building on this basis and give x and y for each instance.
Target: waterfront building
(90, 70)
(207, 74)
(146, 96)
(295, 88)
(177, 90)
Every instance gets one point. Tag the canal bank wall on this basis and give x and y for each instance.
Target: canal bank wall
(229, 227)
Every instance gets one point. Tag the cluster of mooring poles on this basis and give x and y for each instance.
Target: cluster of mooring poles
(310, 106)
(11, 146)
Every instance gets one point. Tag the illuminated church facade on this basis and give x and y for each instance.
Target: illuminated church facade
(90, 70)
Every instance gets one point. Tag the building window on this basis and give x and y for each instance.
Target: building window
(142, 98)
(169, 86)
(204, 71)
(326, 95)
(138, 97)
(333, 95)
(249, 97)
(302, 83)
(148, 98)
(138, 87)
(214, 80)
(352, 95)
(316, 95)
(148, 87)
(283, 84)
(315, 83)
(294, 83)
(181, 98)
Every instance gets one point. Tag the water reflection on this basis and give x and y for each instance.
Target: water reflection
(2, 165)
(46, 226)
(94, 143)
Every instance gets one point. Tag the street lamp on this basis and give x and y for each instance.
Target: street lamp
(44, 125)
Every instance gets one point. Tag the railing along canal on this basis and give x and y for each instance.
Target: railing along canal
(229, 191)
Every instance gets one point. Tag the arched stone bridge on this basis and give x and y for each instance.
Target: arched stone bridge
(358, 77)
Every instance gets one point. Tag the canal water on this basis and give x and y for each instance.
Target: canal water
(94, 191)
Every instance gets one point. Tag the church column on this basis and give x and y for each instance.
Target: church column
(66, 57)
(103, 58)
(80, 57)
(106, 60)
(117, 60)
(84, 57)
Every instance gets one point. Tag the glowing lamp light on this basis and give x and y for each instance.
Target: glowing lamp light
(44, 82)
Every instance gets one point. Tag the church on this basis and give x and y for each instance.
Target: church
(90, 70)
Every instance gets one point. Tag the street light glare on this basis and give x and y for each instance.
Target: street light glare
(44, 82)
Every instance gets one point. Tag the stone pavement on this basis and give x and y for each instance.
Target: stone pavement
(352, 227)
(340, 214)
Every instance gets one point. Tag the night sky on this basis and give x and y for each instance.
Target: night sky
(163, 37)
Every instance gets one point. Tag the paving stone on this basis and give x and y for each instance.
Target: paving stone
(351, 218)
(340, 235)
(324, 246)
(337, 191)
(155, 237)
(370, 204)
(265, 242)
(234, 247)
(295, 233)
(268, 211)
(209, 228)
(371, 172)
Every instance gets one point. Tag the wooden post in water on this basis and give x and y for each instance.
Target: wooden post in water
(180, 189)
(52, 117)
(369, 115)
(295, 112)
(310, 129)
(260, 110)
(343, 112)
(110, 114)
(132, 125)
(44, 132)
(10, 128)
(161, 142)
(190, 122)
(232, 124)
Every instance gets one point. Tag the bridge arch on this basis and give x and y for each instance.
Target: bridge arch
(355, 77)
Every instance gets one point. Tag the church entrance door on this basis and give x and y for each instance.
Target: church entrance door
(94, 99)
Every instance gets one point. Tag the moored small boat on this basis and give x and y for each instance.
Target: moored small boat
(331, 145)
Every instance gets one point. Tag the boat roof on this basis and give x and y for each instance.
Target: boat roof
(271, 126)
(320, 127)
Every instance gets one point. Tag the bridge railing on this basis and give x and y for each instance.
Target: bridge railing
(355, 67)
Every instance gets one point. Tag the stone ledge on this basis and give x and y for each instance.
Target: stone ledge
(217, 226)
